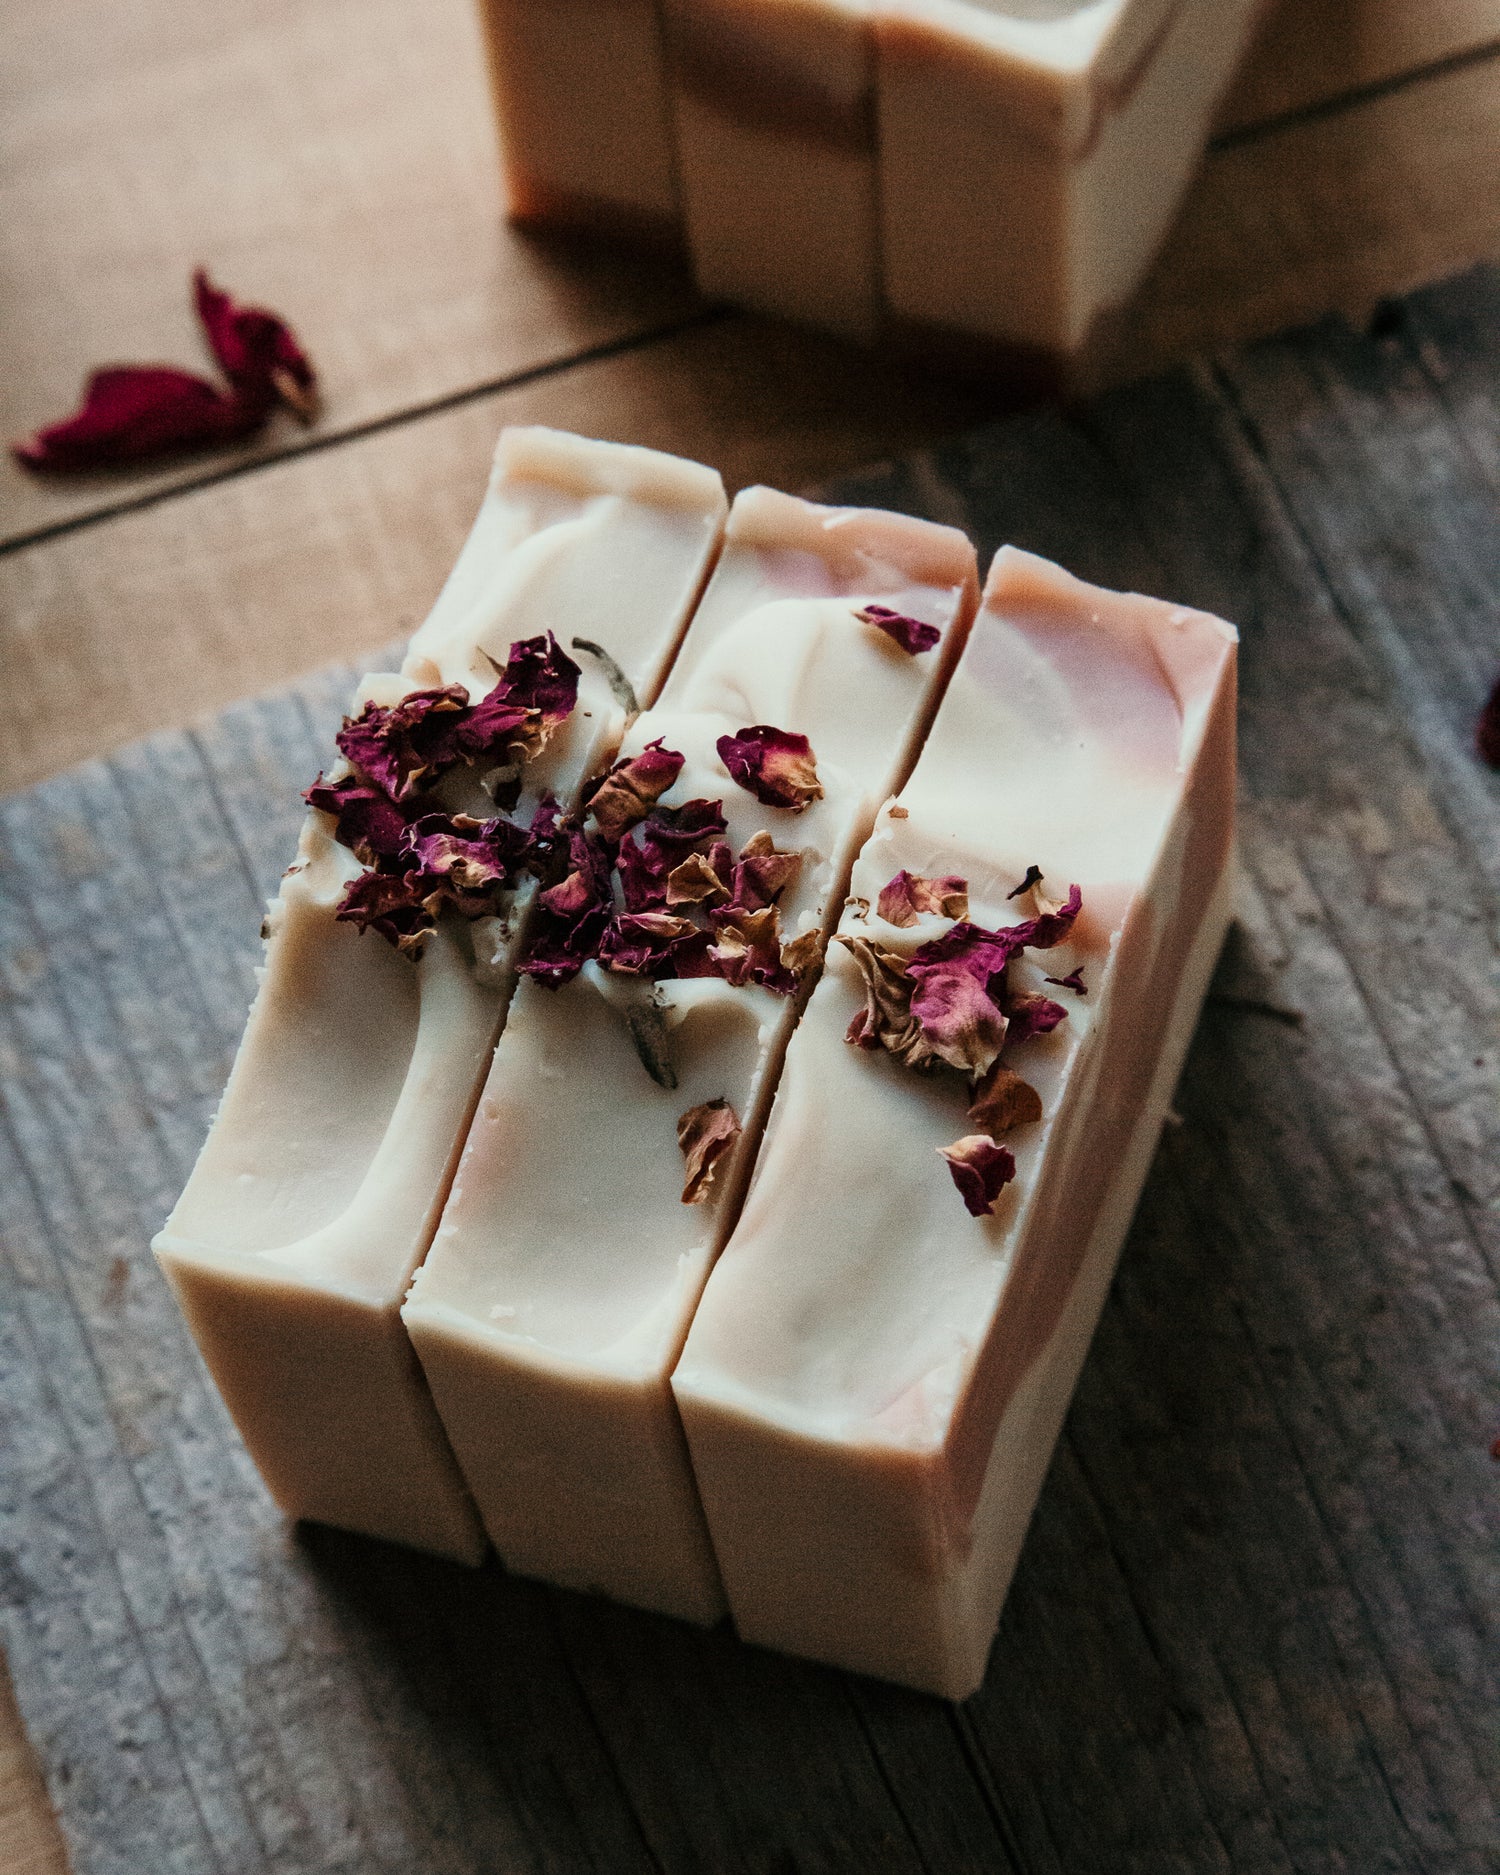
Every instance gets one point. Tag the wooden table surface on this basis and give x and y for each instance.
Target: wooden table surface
(336, 160)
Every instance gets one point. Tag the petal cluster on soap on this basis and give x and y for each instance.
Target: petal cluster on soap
(420, 858)
(656, 892)
(950, 1006)
(137, 413)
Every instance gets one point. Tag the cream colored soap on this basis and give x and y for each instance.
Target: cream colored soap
(775, 123)
(874, 1379)
(328, 1162)
(1032, 155)
(585, 127)
(552, 1306)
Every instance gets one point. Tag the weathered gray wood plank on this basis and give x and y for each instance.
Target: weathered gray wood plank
(1253, 1628)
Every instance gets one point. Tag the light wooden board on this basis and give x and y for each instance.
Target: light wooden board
(1253, 1628)
(337, 159)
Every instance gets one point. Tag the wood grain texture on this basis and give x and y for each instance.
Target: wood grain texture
(334, 159)
(149, 619)
(1254, 1625)
(1330, 214)
(1312, 53)
(30, 1841)
(337, 160)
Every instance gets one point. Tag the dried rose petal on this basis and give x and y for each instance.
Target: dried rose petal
(632, 788)
(388, 903)
(572, 916)
(463, 862)
(1072, 981)
(777, 766)
(747, 949)
(643, 943)
(133, 413)
(1055, 920)
(909, 897)
(706, 1133)
(399, 746)
(762, 873)
(1033, 878)
(1003, 1100)
(886, 1019)
(799, 954)
(1487, 730)
(256, 351)
(980, 1169)
(910, 633)
(1030, 1013)
(539, 675)
(982, 954)
(694, 882)
(961, 1023)
(368, 822)
(678, 831)
(644, 870)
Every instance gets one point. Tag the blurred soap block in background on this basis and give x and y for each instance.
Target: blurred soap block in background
(979, 182)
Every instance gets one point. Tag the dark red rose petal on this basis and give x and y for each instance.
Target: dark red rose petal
(1033, 877)
(368, 822)
(1072, 981)
(401, 745)
(465, 862)
(134, 413)
(539, 675)
(777, 766)
(747, 949)
(1487, 731)
(910, 633)
(256, 351)
(980, 1169)
(1054, 922)
(390, 904)
(647, 943)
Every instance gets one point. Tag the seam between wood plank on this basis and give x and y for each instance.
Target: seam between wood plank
(1376, 89)
(374, 426)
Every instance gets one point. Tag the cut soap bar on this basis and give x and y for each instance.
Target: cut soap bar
(585, 130)
(1032, 156)
(775, 119)
(327, 1165)
(552, 1306)
(874, 1380)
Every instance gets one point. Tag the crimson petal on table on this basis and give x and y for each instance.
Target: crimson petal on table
(135, 413)
(257, 351)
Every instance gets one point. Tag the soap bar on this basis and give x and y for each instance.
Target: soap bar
(1032, 155)
(552, 1307)
(878, 1369)
(580, 92)
(775, 125)
(328, 1162)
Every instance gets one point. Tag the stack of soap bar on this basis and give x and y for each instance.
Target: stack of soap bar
(983, 179)
(874, 1380)
(580, 93)
(328, 1163)
(774, 110)
(553, 1304)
